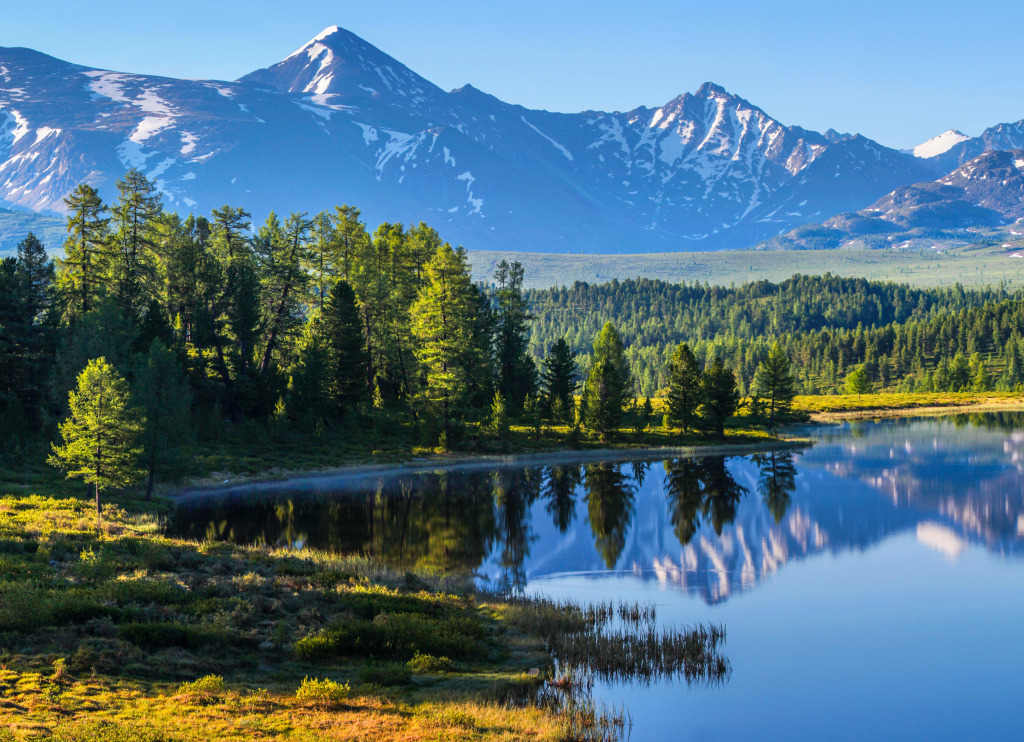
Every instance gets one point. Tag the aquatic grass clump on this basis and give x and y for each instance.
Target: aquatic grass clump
(621, 642)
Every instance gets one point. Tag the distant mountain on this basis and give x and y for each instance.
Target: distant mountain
(940, 144)
(340, 121)
(999, 137)
(987, 191)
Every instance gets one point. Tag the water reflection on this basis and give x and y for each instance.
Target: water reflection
(711, 525)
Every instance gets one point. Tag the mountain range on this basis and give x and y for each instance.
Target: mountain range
(339, 121)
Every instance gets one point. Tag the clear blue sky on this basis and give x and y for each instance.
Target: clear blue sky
(898, 71)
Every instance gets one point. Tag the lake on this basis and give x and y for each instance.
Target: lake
(871, 585)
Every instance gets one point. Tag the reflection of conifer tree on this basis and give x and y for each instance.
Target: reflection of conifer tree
(685, 497)
(777, 481)
(560, 492)
(722, 493)
(610, 508)
(640, 469)
(514, 494)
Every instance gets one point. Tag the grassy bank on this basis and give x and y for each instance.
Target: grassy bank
(103, 623)
(111, 631)
(853, 406)
(259, 453)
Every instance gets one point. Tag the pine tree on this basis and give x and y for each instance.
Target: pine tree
(517, 374)
(559, 380)
(608, 385)
(684, 391)
(775, 383)
(440, 326)
(165, 400)
(83, 273)
(310, 398)
(281, 253)
(720, 396)
(348, 362)
(102, 431)
(134, 240)
(229, 227)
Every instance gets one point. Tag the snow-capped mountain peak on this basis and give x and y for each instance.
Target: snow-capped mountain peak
(937, 145)
(336, 62)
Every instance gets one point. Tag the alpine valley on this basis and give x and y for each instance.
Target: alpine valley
(339, 121)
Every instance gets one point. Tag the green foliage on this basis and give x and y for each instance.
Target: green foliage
(684, 391)
(857, 382)
(775, 384)
(608, 387)
(558, 382)
(323, 694)
(428, 663)
(720, 397)
(205, 690)
(517, 374)
(101, 434)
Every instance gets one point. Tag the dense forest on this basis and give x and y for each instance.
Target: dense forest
(153, 332)
(902, 338)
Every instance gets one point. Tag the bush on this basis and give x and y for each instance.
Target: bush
(394, 636)
(322, 693)
(428, 663)
(101, 731)
(208, 689)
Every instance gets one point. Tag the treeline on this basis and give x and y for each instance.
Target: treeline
(310, 321)
(900, 337)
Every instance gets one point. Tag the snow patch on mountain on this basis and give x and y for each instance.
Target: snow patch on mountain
(937, 145)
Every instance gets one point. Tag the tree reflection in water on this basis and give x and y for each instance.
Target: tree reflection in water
(609, 494)
(777, 481)
(452, 522)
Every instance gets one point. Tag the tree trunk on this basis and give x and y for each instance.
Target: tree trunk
(99, 510)
(149, 480)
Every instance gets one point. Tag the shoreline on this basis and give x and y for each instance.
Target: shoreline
(878, 413)
(361, 473)
(351, 475)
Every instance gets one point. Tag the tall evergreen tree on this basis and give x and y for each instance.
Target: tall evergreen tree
(164, 399)
(517, 373)
(230, 225)
(84, 271)
(720, 396)
(348, 362)
(607, 389)
(684, 387)
(102, 431)
(281, 253)
(441, 326)
(310, 397)
(134, 242)
(775, 383)
(559, 380)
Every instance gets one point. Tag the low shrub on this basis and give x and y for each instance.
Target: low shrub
(322, 693)
(161, 635)
(205, 690)
(394, 636)
(102, 731)
(428, 663)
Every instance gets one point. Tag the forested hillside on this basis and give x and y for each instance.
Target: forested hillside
(911, 339)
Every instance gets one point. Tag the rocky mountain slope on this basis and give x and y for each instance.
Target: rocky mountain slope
(985, 192)
(340, 121)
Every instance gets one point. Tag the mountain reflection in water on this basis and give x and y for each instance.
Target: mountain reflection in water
(710, 525)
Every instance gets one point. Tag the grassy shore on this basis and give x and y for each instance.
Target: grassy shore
(111, 631)
(852, 406)
(258, 454)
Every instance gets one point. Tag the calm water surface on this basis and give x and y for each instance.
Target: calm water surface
(872, 586)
